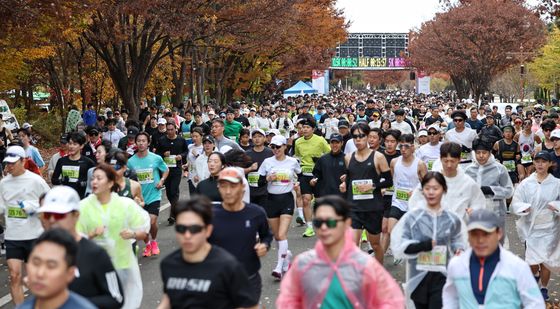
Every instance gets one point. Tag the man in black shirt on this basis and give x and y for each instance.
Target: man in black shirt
(199, 274)
(72, 170)
(240, 118)
(329, 168)
(236, 224)
(96, 277)
(174, 150)
(258, 153)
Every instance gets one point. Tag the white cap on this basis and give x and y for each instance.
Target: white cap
(26, 126)
(14, 153)
(435, 127)
(555, 133)
(60, 200)
(422, 133)
(162, 121)
(278, 140)
(257, 130)
(274, 131)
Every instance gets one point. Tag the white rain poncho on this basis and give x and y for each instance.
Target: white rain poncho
(494, 175)
(462, 193)
(421, 225)
(540, 227)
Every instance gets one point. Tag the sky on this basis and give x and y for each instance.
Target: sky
(387, 15)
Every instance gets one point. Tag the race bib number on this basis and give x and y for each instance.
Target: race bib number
(510, 165)
(145, 175)
(170, 161)
(465, 156)
(253, 179)
(283, 178)
(430, 164)
(389, 191)
(233, 138)
(402, 195)
(435, 260)
(360, 195)
(526, 158)
(72, 173)
(307, 171)
(16, 213)
(187, 135)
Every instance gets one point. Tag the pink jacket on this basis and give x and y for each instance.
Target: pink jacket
(365, 282)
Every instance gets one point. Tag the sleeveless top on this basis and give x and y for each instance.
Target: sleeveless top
(405, 181)
(363, 173)
(126, 191)
(527, 147)
(391, 190)
(506, 155)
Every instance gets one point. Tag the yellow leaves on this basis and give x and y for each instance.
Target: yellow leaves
(546, 67)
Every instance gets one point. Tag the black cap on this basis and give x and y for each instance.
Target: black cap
(482, 144)
(545, 155)
(459, 114)
(336, 137)
(132, 131)
(208, 138)
(64, 139)
(343, 124)
(308, 122)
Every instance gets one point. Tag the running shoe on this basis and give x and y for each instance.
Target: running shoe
(396, 261)
(309, 232)
(155, 248)
(300, 221)
(364, 236)
(170, 221)
(287, 262)
(148, 250)
(277, 274)
(544, 292)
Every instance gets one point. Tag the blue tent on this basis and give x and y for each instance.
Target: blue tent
(300, 88)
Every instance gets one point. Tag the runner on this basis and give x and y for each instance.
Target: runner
(174, 150)
(195, 150)
(98, 281)
(308, 149)
(221, 280)
(390, 140)
(527, 139)
(32, 152)
(336, 273)
(258, 154)
(19, 200)
(367, 174)
(200, 171)
(186, 126)
(235, 225)
(217, 131)
(507, 152)
(461, 135)
(429, 153)
(209, 186)
(152, 173)
(555, 138)
(428, 237)
(279, 172)
(329, 168)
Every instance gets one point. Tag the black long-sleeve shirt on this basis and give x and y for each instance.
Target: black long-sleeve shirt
(328, 170)
(96, 278)
(72, 173)
(236, 232)
(177, 146)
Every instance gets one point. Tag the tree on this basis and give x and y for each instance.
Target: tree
(546, 67)
(471, 47)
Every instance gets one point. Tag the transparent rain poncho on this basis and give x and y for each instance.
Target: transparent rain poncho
(423, 224)
(539, 228)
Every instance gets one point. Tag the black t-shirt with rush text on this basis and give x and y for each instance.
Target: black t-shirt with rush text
(217, 282)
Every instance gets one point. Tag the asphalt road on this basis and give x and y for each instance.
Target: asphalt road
(152, 282)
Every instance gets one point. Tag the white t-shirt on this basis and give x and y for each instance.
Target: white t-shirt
(428, 154)
(402, 126)
(464, 138)
(286, 172)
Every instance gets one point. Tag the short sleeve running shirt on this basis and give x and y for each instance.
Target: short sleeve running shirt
(285, 170)
(148, 170)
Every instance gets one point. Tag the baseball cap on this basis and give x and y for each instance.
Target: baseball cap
(230, 174)
(60, 200)
(555, 134)
(208, 138)
(278, 140)
(259, 131)
(483, 219)
(26, 126)
(343, 124)
(274, 131)
(422, 132)
(132, 131)
(435, 127)
(459, 113)
(545, 155)
(14, 153)
(161, 121)
(336, 137)
(64, 139)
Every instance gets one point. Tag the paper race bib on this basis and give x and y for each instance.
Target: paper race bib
(307, 171)
(510, 165)
(435, 260)
(526, 158)
(145, 175)
(430, 164)
(233, 138)
(71, 172)
(283, 178)
(253, 179)
(170, 161)
(402, 194)
(389, 191)
(187, 135)
(357, 194)
(16, 212)
(465, 156)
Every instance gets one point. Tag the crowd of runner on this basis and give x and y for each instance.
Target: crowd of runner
(426, 181)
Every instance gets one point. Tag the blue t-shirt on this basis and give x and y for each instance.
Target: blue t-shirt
(148, 170)
(33, 154)
(74, 301)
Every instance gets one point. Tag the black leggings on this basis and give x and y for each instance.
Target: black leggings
(427, 294)
(172, 188)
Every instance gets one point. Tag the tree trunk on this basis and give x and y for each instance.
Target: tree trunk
(179, 76)
(460, 86)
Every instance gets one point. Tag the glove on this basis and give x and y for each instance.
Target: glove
(487, 190)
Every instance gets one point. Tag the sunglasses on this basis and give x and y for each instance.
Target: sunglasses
(117, 167)
(272, 146)
(193, 229)
(361, 135)
(458, 120)
(56, 216)
(405, 146)
(433, 133)
(331, 223)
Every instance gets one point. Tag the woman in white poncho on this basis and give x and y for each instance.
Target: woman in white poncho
(427, 237)
(536, 201)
